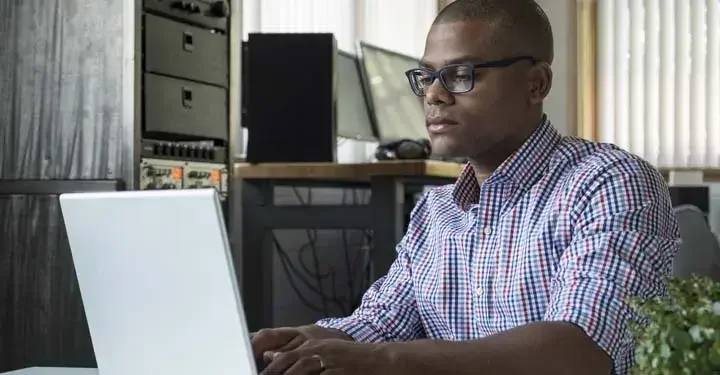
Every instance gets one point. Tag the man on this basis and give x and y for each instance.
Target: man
(526, 263)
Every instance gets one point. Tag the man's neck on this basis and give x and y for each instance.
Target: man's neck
(486, 164)
(484, 167)
(481, 172)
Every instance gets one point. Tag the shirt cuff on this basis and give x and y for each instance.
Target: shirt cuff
(612, 335)
(359, 331)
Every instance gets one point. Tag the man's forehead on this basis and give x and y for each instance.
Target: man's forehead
(431, 61)
(460, 42)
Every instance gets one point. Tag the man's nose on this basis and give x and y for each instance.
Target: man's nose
(436, 93)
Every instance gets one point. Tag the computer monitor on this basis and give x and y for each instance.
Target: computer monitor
(396, 113)
(353, 118)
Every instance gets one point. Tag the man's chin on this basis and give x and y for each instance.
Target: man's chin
(446, 149)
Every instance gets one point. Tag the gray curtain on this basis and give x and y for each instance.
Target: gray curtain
(61, 118)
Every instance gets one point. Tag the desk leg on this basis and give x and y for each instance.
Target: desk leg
(387, 202)
(257, 255)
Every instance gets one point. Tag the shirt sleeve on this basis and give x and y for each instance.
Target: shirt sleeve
(388, 311)
(625, 237)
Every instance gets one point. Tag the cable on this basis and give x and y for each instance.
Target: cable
(361, 260)
(314, 271)
(311, 245)
(346, 249)
(308, 271)
(312, 235)
(287, 267)
(293, 273)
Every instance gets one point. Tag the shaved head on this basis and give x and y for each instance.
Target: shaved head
(504, 104)
(521, 26)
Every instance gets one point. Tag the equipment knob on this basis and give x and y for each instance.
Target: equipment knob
(220, 9)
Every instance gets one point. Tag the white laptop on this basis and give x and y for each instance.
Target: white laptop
(157, 282)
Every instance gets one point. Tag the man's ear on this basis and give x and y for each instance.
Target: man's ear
(540, 82)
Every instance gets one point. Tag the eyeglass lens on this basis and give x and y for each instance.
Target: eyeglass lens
(456, 79)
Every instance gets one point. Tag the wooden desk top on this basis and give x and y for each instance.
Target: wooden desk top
(348, 172)
(361, 172)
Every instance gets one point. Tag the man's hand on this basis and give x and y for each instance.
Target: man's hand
(331, 357)
(267, 342)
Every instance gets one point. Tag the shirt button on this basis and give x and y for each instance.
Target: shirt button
(487, 230)
(479, 292)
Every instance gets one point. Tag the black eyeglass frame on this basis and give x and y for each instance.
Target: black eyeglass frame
(438, 74)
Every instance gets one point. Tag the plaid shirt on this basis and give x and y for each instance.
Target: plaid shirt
(565, 230)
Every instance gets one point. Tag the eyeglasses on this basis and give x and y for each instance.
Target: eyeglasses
(456, 78)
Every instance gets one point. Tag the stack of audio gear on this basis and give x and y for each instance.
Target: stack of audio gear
(185, 81)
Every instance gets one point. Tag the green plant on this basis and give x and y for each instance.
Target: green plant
(681, 335)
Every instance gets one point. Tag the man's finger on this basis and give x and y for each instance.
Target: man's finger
(281, 362)
(311, 365)
(269, 356)
(293, 344)
(271, 339)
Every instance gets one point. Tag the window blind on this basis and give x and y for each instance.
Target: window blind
(658, 79)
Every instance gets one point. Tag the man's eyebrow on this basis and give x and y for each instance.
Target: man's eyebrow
(457, 60)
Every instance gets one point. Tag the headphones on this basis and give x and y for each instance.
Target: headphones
(404, 149)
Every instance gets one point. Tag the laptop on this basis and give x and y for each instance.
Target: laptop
(157, 281)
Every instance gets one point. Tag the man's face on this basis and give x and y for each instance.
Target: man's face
(475, 123)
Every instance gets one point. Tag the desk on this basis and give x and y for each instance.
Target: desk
(388, 183)
(53, 371)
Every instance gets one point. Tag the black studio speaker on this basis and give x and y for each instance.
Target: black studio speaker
(290, 97)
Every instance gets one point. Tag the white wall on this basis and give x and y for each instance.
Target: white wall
(561, 105)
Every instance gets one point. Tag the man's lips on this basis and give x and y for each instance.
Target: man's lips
(440, 125)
